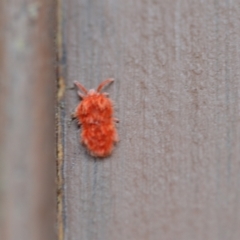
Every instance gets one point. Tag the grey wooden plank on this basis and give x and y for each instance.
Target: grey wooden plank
(175, 172)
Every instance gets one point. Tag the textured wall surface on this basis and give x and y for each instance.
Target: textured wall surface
(27, 131)
(175, 173)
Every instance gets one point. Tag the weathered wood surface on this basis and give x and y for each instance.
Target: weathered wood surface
(27, 131)
(175, 174)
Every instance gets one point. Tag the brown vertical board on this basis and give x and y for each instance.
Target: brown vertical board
(175, 174)
(27, 134)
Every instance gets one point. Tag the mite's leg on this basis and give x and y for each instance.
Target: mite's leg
(104, 83)
(73, 115)
(116, 138)
(81, 88)
(106, 94)
(116, 120)
(81, 95)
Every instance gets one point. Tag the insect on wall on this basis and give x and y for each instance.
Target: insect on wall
(95, 117)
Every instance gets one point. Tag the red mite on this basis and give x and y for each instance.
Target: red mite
(95, 115)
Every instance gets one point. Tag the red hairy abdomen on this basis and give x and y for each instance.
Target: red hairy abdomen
(95, 114)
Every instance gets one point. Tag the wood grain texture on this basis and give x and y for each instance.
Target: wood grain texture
(175, 173)
(27, 115)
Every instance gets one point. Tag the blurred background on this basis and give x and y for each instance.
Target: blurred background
(27, 119)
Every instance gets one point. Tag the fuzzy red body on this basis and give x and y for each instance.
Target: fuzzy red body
(95, 115)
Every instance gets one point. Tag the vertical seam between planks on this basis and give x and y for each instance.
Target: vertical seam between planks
(60, 93)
